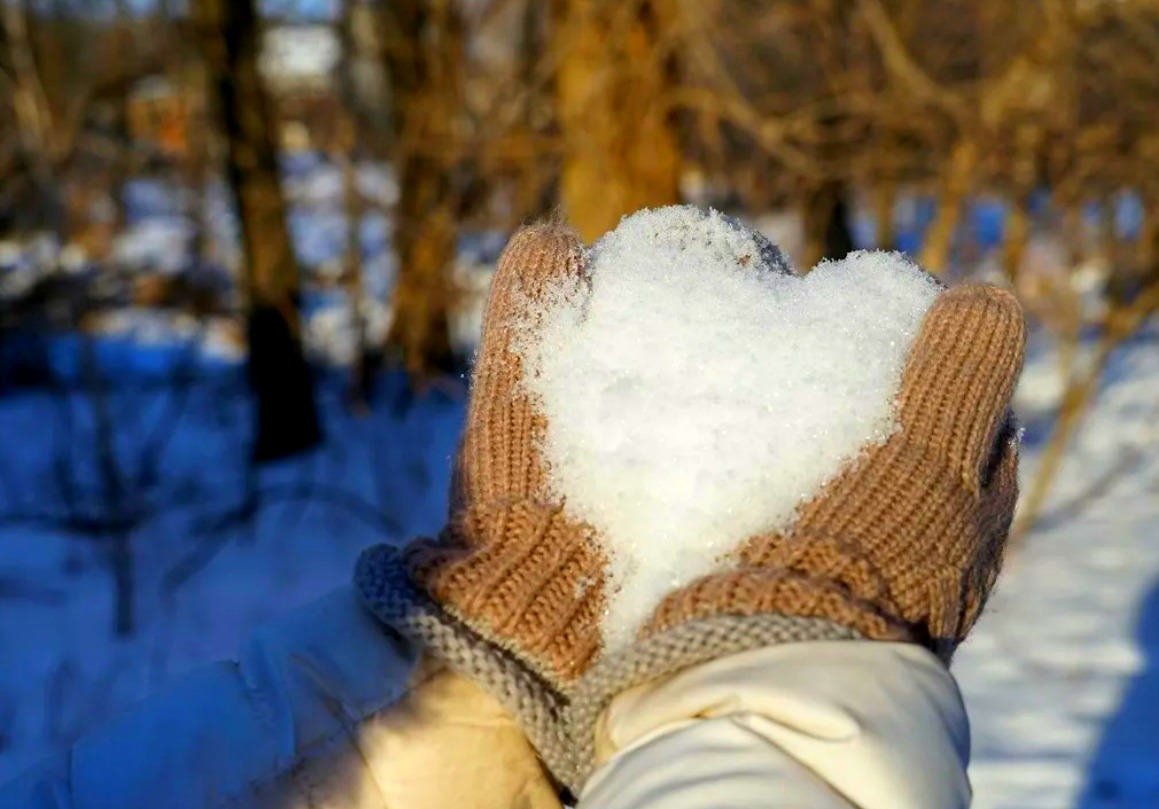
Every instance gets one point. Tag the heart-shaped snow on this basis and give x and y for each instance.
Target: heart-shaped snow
(697, 391)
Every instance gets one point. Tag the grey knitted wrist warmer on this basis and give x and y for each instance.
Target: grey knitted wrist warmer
(387, 591)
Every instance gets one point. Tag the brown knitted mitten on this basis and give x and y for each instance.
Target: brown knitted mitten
(511, 566)
(907, 542)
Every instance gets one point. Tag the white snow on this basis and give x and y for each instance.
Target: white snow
(155, 243)
(702, 391)
(63, 674)
(333, 335)
(298, 55)
(1061, 676)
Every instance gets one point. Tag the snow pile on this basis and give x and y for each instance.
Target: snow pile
(697, 391)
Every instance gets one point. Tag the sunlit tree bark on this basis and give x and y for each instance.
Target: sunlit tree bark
(614, 80)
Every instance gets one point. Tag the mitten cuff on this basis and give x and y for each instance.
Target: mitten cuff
(765, 591)
(523, 576)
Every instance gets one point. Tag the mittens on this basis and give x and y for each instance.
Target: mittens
(904, 544)
(511, 592)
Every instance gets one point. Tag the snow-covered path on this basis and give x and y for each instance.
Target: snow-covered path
(1062, 674)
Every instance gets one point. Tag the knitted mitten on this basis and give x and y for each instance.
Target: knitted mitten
(907, 542)
(512, 591)
(511, 566)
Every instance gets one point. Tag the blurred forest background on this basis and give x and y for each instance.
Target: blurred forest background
(244, 248)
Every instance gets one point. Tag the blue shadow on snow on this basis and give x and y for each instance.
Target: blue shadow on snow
(1124, 772)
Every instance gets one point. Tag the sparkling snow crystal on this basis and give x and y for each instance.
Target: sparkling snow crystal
(698, 391)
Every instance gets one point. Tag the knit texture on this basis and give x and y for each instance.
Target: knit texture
(666, 653)
(386, 588)
(907, 542)
(561, 728)
(510, 565)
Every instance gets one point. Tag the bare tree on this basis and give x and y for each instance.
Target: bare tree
(363, 99)
(286, 419)
(423, 49)
(365, 358)
(46, 135)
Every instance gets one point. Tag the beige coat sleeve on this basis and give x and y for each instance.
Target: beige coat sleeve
(834, 725)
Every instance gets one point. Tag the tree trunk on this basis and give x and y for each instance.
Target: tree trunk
(1076, 401)
(285, 411)
(1017, 236)
(621, 150)
(122, 164)
(34, 124)
(536, 188)
(423, 49)
(425, 240)
(117, 510)
(1147, 247)
(884, 205)
(955, 186)
(1025, 178)
(826, 225)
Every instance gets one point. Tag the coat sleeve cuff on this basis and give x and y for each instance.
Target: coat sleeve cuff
(838, 724)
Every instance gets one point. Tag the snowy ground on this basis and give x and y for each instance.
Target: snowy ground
(1062, 674)
(210, 564)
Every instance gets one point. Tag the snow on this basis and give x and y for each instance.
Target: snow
(297, 55)
(156, 243)
(150, 244)
(702, 391)
(1061, 676)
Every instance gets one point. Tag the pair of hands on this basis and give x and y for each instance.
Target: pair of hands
(903, 545)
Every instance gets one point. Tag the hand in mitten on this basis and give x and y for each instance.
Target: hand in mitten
(595, 565)
(512, 565)
(749, 442)
(771, 458)
(511, 593)
(514, 592)
(746, 442)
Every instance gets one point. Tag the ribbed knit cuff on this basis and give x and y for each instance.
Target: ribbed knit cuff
(665, 653)
(524, 577)
(762, 591)
(560, 726)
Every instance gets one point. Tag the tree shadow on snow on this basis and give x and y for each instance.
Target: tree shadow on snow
(1124, 772)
